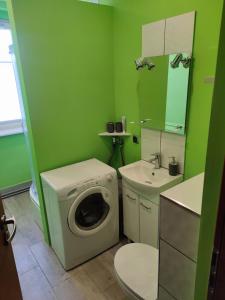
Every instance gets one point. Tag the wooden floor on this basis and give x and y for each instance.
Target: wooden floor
(42, 276)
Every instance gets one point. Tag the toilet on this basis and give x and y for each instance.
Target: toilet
(136, 269)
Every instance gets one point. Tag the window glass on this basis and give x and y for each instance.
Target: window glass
(9, 101)
(92, 1)
(6, 41)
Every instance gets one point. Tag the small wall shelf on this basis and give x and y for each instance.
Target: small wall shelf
(114, 134)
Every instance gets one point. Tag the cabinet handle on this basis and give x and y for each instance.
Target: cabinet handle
(131, 198)
(146, 207)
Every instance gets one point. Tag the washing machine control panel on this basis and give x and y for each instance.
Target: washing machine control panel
(87, 184)
(91, 182)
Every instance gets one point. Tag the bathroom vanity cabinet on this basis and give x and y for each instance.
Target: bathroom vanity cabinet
(180, 211)
(140, 214)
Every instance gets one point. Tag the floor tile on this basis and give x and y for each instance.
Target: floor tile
(49, 263)
(86, 285)
(67, 290)
(97, 272)
(114, 292)
(20, 207)
(41, 275)
(30, 230)
(23, 258)
(107, 260)
(35, 286)
(114, 249)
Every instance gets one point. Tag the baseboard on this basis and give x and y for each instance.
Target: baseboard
(15, 190)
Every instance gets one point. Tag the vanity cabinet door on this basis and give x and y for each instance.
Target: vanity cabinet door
(179, 227)
(176, 272)
(131, 214)
(149, 222)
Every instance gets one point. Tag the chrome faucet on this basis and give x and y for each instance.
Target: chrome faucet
(156, 160)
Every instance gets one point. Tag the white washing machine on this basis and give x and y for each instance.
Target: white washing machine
(82, 208)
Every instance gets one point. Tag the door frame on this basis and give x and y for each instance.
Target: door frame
(216, 290)
(9, 280)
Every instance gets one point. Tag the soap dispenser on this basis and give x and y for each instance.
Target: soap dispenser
(173, 167)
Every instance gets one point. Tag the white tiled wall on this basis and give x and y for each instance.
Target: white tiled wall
(172, 145)
(168, 144)
(150, 143)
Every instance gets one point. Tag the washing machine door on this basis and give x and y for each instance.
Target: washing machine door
(91, 211)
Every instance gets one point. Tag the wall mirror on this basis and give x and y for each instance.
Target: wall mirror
(163, 91)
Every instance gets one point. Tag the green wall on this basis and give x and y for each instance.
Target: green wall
(65, 64)
(128, 18)
(106, 2)
(67, 72)
(13, 161)
(213, 175)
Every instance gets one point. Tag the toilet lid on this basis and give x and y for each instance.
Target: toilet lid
(136, 265)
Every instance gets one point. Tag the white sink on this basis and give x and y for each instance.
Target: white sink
(143, 176)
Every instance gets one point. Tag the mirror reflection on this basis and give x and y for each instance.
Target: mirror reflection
(162, 91)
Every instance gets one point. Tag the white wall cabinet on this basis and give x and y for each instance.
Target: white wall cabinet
(140, 217)
(153, 39)
(179, 34)
(169, 36)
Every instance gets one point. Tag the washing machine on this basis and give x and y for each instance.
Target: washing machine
(82, 209)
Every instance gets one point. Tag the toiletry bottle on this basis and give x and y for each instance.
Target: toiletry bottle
(119, 127)
(173, 166)
(110, 127)
(124, 123)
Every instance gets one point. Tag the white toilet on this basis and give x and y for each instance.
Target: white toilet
(136, 268)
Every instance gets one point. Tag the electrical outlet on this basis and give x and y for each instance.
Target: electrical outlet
(135, 139)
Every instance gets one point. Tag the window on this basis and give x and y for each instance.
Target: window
(10, 114)
(92, 1)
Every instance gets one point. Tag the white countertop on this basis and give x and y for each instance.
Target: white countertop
(188, 193)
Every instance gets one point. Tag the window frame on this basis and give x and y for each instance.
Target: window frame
(10, 127)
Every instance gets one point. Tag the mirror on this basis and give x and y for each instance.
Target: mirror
(162, 92)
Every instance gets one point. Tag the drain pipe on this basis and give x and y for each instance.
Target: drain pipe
(117, 141)
(113, 151)
(121, 143)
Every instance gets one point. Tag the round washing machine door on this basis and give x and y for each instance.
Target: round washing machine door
(91, 211)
